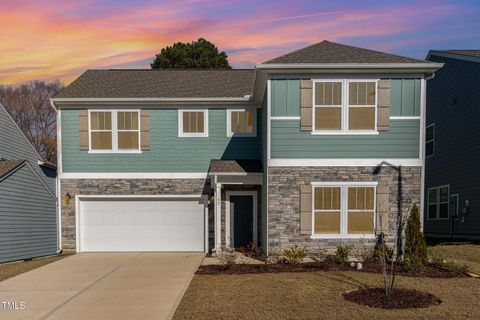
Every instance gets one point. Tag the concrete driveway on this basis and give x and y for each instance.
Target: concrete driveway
(102, 286)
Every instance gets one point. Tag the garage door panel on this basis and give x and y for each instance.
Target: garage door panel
(148, 225)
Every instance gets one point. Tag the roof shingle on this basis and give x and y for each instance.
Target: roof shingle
(165, 83)
(235, 166)
(331, 52)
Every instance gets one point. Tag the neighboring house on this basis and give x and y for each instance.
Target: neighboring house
(452, 148)
(283, 154)
(28, 205)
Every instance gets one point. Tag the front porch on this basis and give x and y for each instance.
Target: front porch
(236, 202)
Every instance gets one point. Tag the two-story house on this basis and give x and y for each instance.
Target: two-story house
(285, 153)
(452, 152)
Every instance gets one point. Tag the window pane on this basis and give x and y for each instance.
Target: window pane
(429, 133)
(361, 198)
(328, 118)
(432, 196)
(360, 222)
(328, 93)
(200, 122)
(249, 122)
(371, 93)
(186, 122)
(327, 222)
(121, 121)
(369, 198)
(352, 93)
(101, 121)
(362, 93)
(443, 211)
(361, 118)
(444, 194)
(101, 140)
(429, 149)
(432, 211)
(127, 120)
(327, 198)
(128, 140)
(241, 122)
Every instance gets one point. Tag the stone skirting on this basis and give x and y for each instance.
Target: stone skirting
(284, 185)
(76, 187)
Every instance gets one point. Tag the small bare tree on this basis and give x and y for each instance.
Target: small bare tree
(29, 106)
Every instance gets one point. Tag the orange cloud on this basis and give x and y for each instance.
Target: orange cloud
(59, 39)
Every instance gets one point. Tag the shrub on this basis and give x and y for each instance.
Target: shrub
(415, 256)
(382, 250)
(293, 255)
(252, 250)
(227, 256)
(341, 254)
(452, 265)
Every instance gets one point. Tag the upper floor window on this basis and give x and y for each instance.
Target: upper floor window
(114, 131)
(343, 209)
(193, 123)
(438, 202)
(241, 122)
(430, 140)
(345, 106)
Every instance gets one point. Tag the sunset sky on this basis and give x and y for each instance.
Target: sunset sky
(59, 39)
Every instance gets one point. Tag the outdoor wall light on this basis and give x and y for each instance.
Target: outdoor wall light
(67, 198)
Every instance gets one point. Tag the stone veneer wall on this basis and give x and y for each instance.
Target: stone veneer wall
(284, 202)
(76, 187)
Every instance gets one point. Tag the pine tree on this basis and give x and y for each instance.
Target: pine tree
(415, 256)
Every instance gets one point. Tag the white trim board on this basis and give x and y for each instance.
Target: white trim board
(341, 162)
(133, 175)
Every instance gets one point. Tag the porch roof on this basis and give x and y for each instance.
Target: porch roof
(235, 167)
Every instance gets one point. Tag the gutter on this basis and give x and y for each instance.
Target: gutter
(246, 98)
(420, 66)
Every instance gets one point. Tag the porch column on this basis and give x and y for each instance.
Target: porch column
(217, 215)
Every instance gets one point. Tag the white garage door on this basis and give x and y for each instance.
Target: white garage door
(141, 225)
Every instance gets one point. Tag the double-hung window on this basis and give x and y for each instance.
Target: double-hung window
(192, 123)
(114, 131)
(345, 106)
(343, 209)
(438, 202)
(241, 123)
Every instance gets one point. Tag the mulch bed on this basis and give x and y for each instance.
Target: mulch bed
(368, 266)
(398, 298)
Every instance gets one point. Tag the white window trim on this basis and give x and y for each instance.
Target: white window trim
(203, 134)
(345, 108)
(343, 185)
(437, 204)
(241, 135)
(431, 140)
(114, 132)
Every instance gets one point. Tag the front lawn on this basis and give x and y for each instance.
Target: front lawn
(318, 295)
(8, 270)
(462, 252)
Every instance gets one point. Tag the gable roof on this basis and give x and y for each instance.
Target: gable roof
(467, 55)
(7, 166)
(331, 52)
(163, 83)
(471, 53)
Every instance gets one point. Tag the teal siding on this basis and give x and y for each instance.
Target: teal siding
(285, 97)
(168, 152)
(402, 141)
(405, 97)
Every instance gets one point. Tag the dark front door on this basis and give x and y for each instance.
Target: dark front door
(241, 212)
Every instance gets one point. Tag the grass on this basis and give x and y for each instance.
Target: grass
(315, 295)
(8, 270)
(461, 252)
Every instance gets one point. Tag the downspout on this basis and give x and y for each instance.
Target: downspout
(423, 126)
(57, 183)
